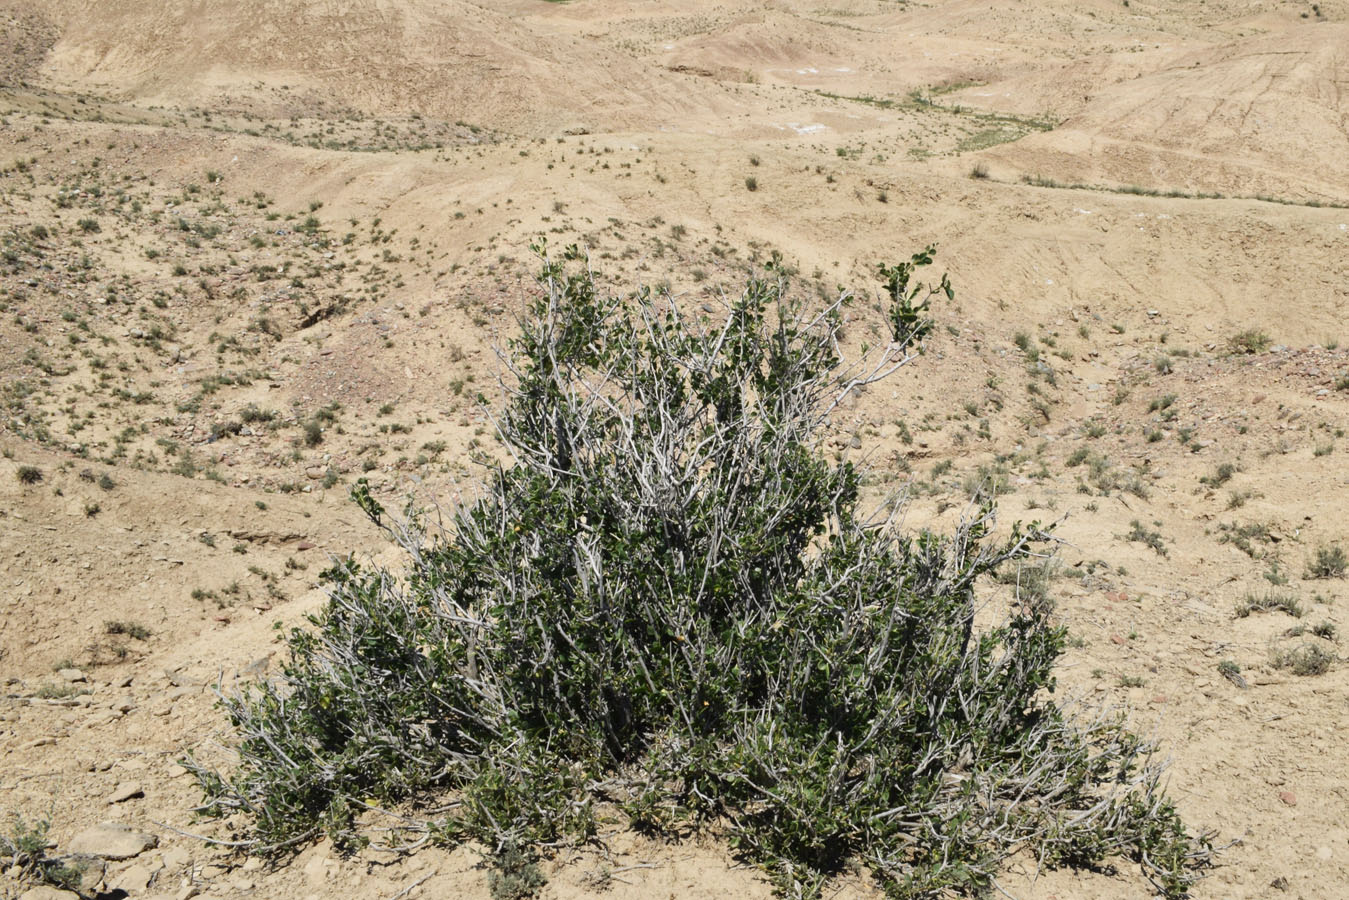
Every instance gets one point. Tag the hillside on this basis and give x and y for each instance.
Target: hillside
(252, 252)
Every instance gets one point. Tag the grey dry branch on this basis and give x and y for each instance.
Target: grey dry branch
(668, 603)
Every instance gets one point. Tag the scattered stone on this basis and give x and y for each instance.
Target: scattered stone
(1324, 854)
(1288, 798)
(125, 791)
(112, 840)
(71, 675)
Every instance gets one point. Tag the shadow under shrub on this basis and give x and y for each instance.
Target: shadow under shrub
(669, 603)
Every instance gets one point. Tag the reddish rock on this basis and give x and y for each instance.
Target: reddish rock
(1288, 797)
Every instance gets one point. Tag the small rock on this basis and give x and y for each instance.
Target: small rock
(91, 869)
(1324, 854)
(1288, 798)
(133, 880)
(71, 675)
(125, 791)
(112, 840)
(177, 858)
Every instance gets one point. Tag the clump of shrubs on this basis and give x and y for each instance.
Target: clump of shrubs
(671, 608)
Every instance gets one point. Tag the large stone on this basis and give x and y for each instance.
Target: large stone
(112, 840)
(46, 892)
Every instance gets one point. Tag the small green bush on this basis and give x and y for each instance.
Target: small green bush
(1304, 660)
(130, 629)
(28, 474)
(1329, 562)
(1270, 602)
(23, 853)
(670, 607)
(1249, 341)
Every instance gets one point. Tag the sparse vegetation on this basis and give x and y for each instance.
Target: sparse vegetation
(1138, 532)
(1304, 659)
(130, 629)
(1250, 341)
(1272, 601)
(24, 847)
(1328, 562)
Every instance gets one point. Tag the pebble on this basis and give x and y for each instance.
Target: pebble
(71, 675)
(112, 840)
(1288, 797)
(1324, 854)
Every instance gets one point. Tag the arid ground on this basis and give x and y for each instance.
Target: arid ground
(254, 251)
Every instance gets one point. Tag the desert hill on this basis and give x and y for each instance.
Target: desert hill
(253, 251)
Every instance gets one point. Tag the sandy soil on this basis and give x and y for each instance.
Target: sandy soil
(254, 251)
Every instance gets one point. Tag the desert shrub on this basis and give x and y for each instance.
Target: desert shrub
(670, 606)
(1252, 340)
(1270, 602)
(1328, 562)
(24, 847)
(1305, 659)
(28, 474)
